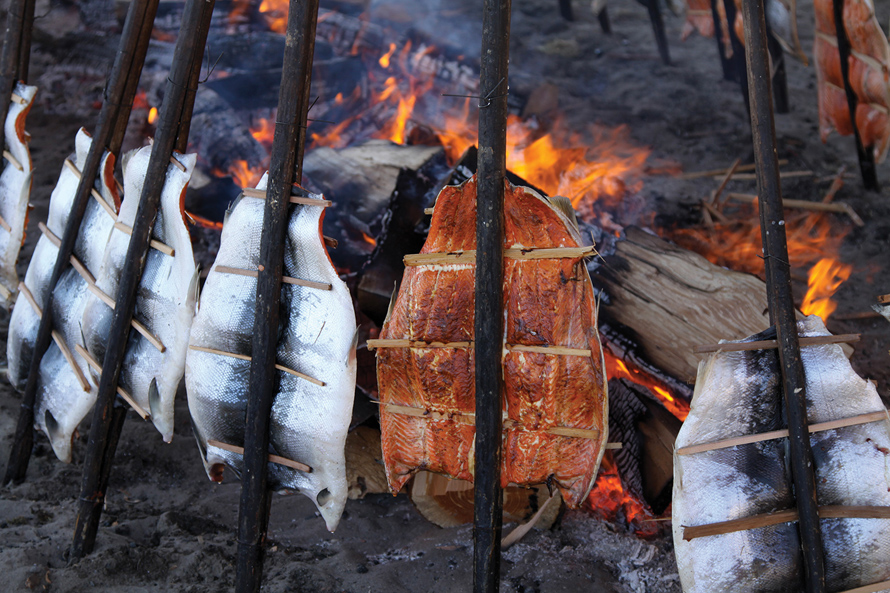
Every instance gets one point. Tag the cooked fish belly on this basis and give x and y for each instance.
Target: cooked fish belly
(737, 394)
(15, 189)
(165, 301)
(91, 241)
(317, 334)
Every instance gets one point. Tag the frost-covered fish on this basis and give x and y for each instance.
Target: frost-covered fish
(316, 337)
(15, 188)
(64, 393)
(165, 301)
(739, 393)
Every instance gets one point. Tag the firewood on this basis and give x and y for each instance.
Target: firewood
(364, 466)
(449, 503)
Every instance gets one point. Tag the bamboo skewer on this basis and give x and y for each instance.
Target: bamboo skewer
(782, 175)
(272, 458)
(93, 191)
(839, 207)
(778, 434)
(128, 230)
(261, 194)
(554, 350)
(137, 325)
(5, 292)
(5, 225)
(285, 279)
(120, 390)
(248, 358)
(770, 344)
(469, 256)
(884, 298)
(715, 195)
(786, 516)
(12, 160)
(57, 338)
(16, 99)
(875, 588)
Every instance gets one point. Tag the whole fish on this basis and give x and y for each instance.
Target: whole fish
(64, 393)
(165, 301)
(15, 189)
(317, 336)
(739, 394)
(555, 405)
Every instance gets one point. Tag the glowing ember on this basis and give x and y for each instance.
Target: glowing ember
(608, 500)
(263, 131)
(369, 239)
(618, 369)
(384, 60)
(242, 174)
(275, 12)
(825, 278)
(152, 115)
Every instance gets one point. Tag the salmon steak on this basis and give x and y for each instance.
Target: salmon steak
(869, 75)
(555, 392)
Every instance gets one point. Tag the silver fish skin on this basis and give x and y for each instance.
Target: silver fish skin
(15, 189)
(738, 393)
(165, 301)
(89, 246)
(316, 337)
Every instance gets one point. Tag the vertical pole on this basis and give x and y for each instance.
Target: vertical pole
(781, 305)
(725, 63)
(25, 42)
(603, 18)
(489, 308)
(565, 9)
(738, 54)
(140, 14)
(780, 78)
(658, 28)
(99, 452)
(9, 59)
(286, 166)
(865, 153)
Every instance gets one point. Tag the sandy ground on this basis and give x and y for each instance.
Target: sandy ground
(167, 528)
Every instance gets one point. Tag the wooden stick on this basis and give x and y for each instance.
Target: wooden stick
(715, 195)
(137, 325)
(273, 458)
(5, 292)
(93, 191)
(779, 298)
(782, 174)
(429, 211)
(840, 207)
(248, 358)
(285, 279)
(857, 315)
(711, 211)
(778, 434)
(76, 263)
(719, 172)
(870, 588)
(555, 350)
(884, 298)
(469, 256)
(388, 343)
(261, 194)
(786, 516)
(5, 225)
(520, 531)
(16, 99)
(128, 230)
(57, 338)
(836, 184)
(770, 344)
(120, 390)
(12, 160)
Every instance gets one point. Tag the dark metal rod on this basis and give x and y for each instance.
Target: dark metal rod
(725, 63)
(99, 454)
(285, 168)
(658, 29)
(865, 153)
(9, 59)
(780, 301)
(489, 309)
(25, 42)
(125, 67)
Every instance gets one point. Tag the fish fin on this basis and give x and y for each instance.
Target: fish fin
(352, 348)
(195, 286)
(392, 303)
(231, 208)
(154, 399)
(564, 205)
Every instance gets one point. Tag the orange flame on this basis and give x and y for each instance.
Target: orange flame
(263, 131)
(608, 500)
(242, 174)
(152, 115)
(824, 280)
(369, 239)
(618, 369)
(384, 59)
(275, 12)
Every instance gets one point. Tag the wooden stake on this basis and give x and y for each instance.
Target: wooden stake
(778, 279)
(284, 279)
(865, 153)
(489, 278)
(101, 445)
(155, 244)
(5, 225)
(658, 28)
(141, 14)
(286, 168)
(469, 256)
(249, 358)
(261, 194)
(778, 434)
(12, 160)
(273, 458)
(769, 344)
(9, 61)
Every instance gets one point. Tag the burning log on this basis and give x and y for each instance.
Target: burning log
(672, 300)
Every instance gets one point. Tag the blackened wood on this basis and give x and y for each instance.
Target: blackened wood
(188, 107)
(738, 54)
(99, 455)
(489, 313)
(286, 167)
(603, 18)
(9, 60)
(778, 284)
(865, 153)
(25, 43)
(124, 68)
(729, 72)
(780, 78)
(565, 9)
(658, 29)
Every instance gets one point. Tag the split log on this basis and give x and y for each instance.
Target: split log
(671, 300)
(449, 503)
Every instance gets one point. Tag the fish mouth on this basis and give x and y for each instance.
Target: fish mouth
(216, 472)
